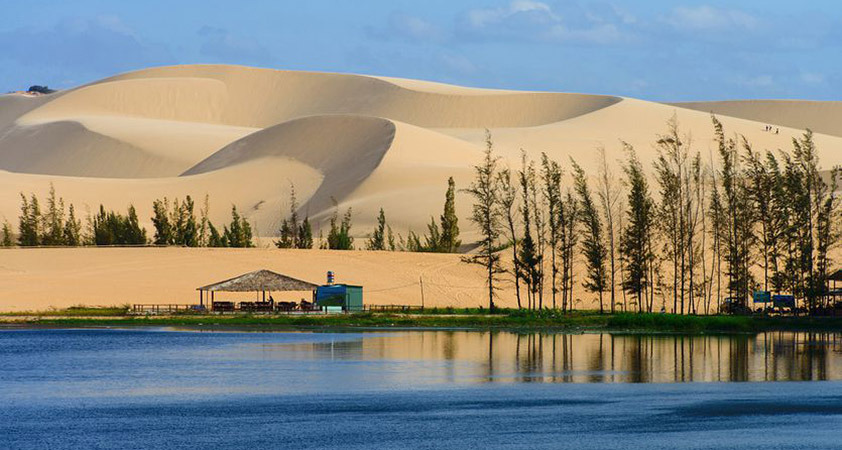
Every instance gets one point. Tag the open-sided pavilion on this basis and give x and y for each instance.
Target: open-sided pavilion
(259, 281)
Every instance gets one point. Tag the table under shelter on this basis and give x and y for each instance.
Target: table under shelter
(834, 293)
(259, 282)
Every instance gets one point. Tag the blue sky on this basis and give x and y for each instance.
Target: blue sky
(657, 50)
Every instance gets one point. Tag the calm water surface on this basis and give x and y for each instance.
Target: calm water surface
(183, 389)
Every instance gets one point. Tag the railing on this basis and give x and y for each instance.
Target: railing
(262, 307)
(165, 308)
(392, 308)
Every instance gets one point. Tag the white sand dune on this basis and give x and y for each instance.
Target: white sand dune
(373, 142)
(233, 186)
(12, 106)
(68, 148)
(248, 97)
(345, 148)
(242, 135)
(821, 117)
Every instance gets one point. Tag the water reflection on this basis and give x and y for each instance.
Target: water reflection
(593, 358)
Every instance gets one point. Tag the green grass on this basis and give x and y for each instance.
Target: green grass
(472, 318)
(76, 311)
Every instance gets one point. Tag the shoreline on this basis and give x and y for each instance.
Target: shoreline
(535, 321)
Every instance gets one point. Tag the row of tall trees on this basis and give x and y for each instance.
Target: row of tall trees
(339, 237)
(530, 212)
(442, 236)
(295, 233)
(712, 230)
(175, 223)
(57, 225)
(112, 228)
(53, 226)
(784, 209)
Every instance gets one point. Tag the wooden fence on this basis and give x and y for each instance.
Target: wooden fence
(260, 307)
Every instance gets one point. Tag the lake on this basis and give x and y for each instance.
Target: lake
(166, 388)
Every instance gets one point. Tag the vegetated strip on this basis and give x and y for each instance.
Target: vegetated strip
(451, 318)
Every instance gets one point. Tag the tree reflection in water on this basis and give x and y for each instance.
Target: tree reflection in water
(501, 356)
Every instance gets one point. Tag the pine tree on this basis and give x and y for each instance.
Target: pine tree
(215, 239)
(634, 248)
(238, 233)
(508, 208)
(694, 211)
(529, 256)
(161, 221)
(433, 237)
(346, 240)
(339, 236)
(552, 195)
(486, 216)
(411, 244)
(72, 233)
(286, 237)
(593, 244)
(760, 191)
(204, 223)
(248, 234)
(333, 234)
(185, 229)
(190, 235)
(827, 234)
(178, 220)
(538, 205)
(7, 235)
(390, 239)
(738, 218)
(569, 240)
(815, 208)
(672, 172)
(53, 220)
(449, 240)
(289, 231)
(305, 234)
(377, 240)
(134, 234)
(609, 196)
(29, 228)
(100, 231)
(793, 211)
(233, 232)
(716, 212)
(778, 221)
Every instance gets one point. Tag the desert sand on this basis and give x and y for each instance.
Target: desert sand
(37, 279)
(242, 135)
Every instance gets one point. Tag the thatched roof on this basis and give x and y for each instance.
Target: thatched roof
(835, 276)
(260, 280)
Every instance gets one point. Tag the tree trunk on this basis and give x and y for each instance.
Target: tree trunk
(515, 261)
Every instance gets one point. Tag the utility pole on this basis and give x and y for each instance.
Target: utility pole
(421, 282)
